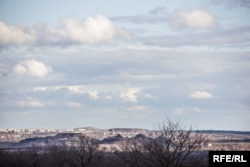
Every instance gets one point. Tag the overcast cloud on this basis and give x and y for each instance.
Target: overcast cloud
(124, 65)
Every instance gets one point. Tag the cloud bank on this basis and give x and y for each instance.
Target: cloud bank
(201, 95)
(178, 19)
(93, 30)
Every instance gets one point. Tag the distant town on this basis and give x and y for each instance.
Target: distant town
(215, 140)
(16, 135)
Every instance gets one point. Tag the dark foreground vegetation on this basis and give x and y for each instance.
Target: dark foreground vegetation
(175, 146)
(57, 157)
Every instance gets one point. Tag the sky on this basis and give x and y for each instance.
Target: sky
(130, 64)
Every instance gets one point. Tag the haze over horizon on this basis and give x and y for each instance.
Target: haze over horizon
(125, 64)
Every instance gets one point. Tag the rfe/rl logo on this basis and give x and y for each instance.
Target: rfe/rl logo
(228, 158)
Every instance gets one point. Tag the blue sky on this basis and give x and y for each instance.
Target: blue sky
(66, 64)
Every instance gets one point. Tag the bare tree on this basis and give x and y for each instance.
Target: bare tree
(133, 152)
(58, 155)
(173, 145)
(87, 151)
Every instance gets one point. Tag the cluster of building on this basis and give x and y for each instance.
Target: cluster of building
(15, 135)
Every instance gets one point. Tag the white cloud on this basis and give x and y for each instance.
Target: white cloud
(96, 92)
(20, 69)
(93, 30)
(32, 67)
(14, 35)
(194, 19)
(131, 94)
(36, 89)
(30, 102)
(73, 104)
(75, 89)
(138, 108)
(93, 94)
(72, 89)
(47, 88)
(201, 95)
